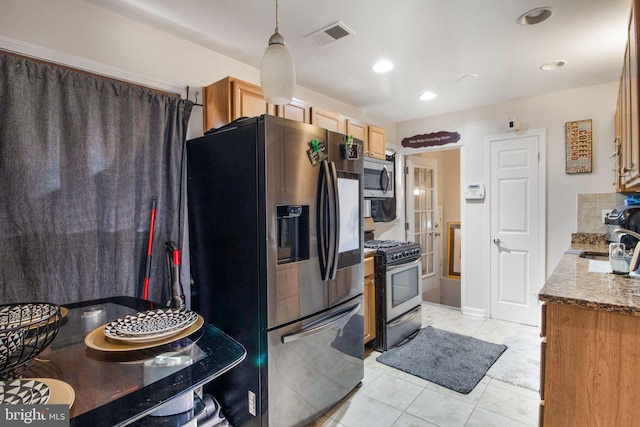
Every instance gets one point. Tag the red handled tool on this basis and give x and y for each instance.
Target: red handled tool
(175, 287)
(147, 274)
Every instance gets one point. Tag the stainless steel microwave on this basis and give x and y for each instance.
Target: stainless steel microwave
(378, 178)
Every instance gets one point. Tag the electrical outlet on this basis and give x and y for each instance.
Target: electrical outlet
(605, 212)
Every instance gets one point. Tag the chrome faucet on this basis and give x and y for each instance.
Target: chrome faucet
(622, 231)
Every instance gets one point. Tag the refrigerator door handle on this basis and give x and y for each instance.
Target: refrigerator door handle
(335, 224)
(325, 238)
(321, 325)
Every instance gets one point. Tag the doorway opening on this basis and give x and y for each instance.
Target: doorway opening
(432, 180)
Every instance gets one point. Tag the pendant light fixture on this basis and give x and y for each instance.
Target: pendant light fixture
(277, 71)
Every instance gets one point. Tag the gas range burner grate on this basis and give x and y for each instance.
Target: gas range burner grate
(385, 244)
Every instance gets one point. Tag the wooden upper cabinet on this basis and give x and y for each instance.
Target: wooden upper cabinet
(327, 120)
(229, 99)
(295, 110)
(360, 131)
(627, 142)
(377, 143)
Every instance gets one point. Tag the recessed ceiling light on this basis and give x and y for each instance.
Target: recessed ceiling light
(427, 96)
(553, 65)
(535, 16)
(383, 66)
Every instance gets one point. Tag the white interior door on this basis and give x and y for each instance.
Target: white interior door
(423, 224)
(517, 226)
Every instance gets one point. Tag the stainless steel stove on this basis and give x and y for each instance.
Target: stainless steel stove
(394, 251)
(398, 282)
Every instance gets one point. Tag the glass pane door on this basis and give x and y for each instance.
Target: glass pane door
(424, 216)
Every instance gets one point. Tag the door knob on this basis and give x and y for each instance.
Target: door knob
(496, 241)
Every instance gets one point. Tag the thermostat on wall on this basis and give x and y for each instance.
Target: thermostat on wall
(474, 192)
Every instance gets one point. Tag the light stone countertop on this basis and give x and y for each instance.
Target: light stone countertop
(369, 252)
(571, 283)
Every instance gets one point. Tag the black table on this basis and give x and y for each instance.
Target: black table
(110, 387)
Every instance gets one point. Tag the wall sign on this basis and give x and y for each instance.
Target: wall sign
(579, 146)
(431, 139)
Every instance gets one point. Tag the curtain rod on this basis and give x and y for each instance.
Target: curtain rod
(88, 73)
(195, 97)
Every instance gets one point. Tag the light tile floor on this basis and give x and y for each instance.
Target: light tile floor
(390, 397)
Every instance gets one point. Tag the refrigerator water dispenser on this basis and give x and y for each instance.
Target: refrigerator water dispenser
(293, 233)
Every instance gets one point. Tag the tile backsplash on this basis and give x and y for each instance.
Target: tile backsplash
(590, 207)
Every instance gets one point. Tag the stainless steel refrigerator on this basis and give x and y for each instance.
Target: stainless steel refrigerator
(276, 241)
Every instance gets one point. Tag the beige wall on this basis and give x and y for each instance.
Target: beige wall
(549, 112)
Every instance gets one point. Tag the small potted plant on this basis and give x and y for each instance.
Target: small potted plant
(349, 149)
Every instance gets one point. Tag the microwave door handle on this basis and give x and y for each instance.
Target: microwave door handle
(323, 252)
(385, 179)
(331, 321)
(335, 223)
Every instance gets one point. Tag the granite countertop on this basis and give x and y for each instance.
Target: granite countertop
(571, 283)
(369, 252)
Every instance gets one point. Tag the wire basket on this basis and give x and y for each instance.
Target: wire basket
(25, 330)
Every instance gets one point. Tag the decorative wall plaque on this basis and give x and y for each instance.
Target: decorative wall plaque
(579, 146)
(431, 139)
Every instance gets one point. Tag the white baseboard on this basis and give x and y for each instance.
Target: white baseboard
(473, 311)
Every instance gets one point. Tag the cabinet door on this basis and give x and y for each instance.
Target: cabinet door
(590, 358)
(369, 301)
(359, 130)
(617, 142)
(295, 110)
(327, 120)
(248, 101)
(377, 142)
(369, 309)
(634, 141)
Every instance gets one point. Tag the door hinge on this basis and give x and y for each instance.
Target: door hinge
(406, 170)
(406, 226)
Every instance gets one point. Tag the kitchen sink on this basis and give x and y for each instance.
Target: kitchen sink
(600, 256)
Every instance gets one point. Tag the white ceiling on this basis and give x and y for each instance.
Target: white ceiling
(433, 43)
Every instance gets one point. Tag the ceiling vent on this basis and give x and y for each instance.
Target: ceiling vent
(329, 34)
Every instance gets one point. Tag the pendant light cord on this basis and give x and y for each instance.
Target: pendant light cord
(276, 16)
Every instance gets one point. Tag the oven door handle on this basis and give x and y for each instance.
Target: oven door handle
(408, 317)
(333, 320)
(405, 265)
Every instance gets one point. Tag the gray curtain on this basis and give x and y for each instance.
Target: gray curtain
(81, 158)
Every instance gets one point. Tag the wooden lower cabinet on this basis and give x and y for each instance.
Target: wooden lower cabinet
(369, 301)
(589, 367)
